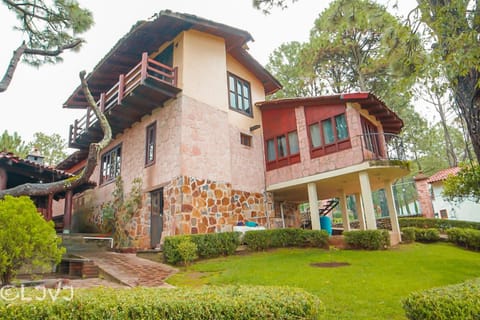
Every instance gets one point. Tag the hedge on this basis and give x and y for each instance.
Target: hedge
(441, 224)
(467, 238)
(410, 234)
(257, 240)
(209, 245)
(230, 302)
(367, 239)
(452, 302)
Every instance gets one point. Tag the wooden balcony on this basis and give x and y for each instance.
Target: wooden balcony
(145, 87)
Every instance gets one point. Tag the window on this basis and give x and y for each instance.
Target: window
(316, 139)
(150, 144)
(110, 166)
(239, 95)
(329, 135)
(282, 150)
(246, 139)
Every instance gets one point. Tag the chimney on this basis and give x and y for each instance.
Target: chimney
(35, 156)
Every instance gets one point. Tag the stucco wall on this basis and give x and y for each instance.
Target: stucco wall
(466, 210)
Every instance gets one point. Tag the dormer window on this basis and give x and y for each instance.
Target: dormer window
(239, 96)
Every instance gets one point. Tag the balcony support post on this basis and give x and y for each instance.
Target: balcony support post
(344, 209)
(313, 201)
(102, 102)
(143, 67)
(366, 190)
(121, 88)
(392, 212)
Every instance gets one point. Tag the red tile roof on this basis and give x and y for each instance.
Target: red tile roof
(443, 174)
(16, 159)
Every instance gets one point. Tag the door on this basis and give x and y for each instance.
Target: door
(156, 217)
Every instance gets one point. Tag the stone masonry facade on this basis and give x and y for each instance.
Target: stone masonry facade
(193, 205)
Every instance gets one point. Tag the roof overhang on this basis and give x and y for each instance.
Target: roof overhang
(148, 36)
(390, 121)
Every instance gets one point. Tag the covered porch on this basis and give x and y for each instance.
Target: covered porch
(357, 180)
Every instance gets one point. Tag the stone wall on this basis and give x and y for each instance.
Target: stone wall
(193, 205)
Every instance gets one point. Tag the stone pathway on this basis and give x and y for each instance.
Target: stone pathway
(130, 270)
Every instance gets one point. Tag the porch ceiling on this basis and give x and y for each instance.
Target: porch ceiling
(331, 184)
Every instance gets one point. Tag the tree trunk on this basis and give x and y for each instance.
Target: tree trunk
(43, 189)
(467, 98)
(450, 150)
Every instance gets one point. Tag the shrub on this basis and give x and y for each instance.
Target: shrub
(408, 234)
(427, 235)
(257, 240)
(230, 302)
(25, 238)
(441, 224)
(209, 245)
(453, 302)
(467, 238)
(367, 239)
(212, 245)
(187, 251)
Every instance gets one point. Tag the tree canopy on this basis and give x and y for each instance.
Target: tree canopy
(49, 28)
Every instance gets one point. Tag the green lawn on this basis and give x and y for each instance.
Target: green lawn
(371, 287)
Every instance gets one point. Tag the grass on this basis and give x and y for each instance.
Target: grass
(371, 287)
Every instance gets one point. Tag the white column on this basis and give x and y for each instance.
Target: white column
(313, 201)
(366, 191)
(360, 214)
(392, 212)
(344, 209)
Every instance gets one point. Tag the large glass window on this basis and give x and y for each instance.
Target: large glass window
(150, 144)
(341, 126)
(239, 95)
(293, 142)
(282, 146)
(316, 139)
(328, 131)
(271, 156)
(110, 166)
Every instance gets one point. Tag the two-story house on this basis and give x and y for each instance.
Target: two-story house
(186, 103)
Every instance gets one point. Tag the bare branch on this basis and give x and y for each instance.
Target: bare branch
(12, 66)
(43, 189)
(54, 53)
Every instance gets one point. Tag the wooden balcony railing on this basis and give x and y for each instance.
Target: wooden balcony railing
(147, 70)
(382, 146)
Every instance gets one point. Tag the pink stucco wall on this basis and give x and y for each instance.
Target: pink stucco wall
(329, 162)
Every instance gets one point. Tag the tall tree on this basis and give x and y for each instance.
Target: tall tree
(13, 143)
(52, 147)
(49, 27)
(453, 28)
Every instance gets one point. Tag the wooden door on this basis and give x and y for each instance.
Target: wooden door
(156, 218)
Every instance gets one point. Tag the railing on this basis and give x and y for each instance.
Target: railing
(382, 146)
(147, 68)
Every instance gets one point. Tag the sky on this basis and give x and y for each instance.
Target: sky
(33, 102)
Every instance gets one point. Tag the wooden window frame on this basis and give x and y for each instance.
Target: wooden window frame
(328, 148)
(245, 139)
(289, 158)
(117, 151)
(150, 140)
(237, 80)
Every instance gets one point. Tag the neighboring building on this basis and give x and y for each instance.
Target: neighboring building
(466, 210)
(15, 171)
(186, 103)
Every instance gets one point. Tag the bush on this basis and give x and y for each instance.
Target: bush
(187, 251)
(257, 240)
(467, 238)
(230, 302)
(427, 235)
(441, 224)
(367, 239)
(408, 234)
(453, 302)
(209, 245)
(25, 238)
